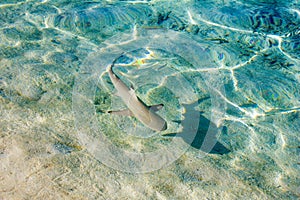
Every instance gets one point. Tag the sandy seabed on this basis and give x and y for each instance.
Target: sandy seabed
(253, 46)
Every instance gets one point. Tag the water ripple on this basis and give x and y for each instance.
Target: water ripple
(261, 19)
(99, 23)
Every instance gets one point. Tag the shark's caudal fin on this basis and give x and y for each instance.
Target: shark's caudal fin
(125, 112)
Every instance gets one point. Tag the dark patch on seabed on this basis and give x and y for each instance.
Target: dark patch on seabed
(202, 139)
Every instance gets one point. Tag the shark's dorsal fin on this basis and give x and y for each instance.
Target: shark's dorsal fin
(131, 86)
(156, 108)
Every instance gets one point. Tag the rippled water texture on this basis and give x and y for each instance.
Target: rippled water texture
(100, 22)
(226, 72)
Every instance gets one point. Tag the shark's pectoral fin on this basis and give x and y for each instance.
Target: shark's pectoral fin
(177, 121)
(170, 135)
(156, 108)
(125, 112)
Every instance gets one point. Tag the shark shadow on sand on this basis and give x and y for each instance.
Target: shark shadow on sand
(199, 132)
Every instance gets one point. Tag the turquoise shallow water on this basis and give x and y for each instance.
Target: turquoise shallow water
(226, 72)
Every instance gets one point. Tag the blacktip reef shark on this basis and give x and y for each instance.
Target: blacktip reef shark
(136, 107)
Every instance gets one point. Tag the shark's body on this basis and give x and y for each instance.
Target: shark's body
(136, 107)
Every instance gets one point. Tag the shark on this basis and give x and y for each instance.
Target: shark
(136, 107)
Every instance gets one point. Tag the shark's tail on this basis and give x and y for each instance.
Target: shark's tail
(110, 68)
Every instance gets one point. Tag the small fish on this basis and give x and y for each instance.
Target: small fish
(136, 107)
